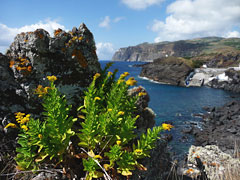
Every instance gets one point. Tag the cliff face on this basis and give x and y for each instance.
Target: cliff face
(183, 48)
(171, 70)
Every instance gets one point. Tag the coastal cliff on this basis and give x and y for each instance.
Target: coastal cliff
(184, 48)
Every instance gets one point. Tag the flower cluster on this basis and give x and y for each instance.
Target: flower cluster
(97, 75)
(125, 74)
(41, 91)
(131, 81)
(167, 126)
(52, 78)
(21, 119)
(142, 94)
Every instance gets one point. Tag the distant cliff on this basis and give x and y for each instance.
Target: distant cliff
(183, 48)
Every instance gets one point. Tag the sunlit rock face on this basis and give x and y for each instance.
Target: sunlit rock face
(70, 56)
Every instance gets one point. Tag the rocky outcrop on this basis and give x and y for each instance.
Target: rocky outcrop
(221, 127)
(147, 116)
(232, 84)
(70, 56)
(158, 164)
(169, 70)
(211, 163)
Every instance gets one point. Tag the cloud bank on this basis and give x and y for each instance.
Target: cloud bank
(105, 50)
(140, 4)
(198, 18)
(7, 34)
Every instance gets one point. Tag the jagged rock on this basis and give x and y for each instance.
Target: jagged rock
(169, 70)
(147, 116)
(158, 165)
(231, 85)
(221, 126)
(69, 56)
(215, 163)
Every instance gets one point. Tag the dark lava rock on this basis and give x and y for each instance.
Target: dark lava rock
(147, 116)
(171, 70)
(221, 127)
(232, 85)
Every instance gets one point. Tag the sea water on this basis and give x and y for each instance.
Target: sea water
(175, 104)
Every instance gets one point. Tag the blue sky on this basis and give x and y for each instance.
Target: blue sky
(121, 23)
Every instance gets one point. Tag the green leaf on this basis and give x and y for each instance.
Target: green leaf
(41, 158)
(83, 144)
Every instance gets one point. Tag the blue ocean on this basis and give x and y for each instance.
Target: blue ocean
(175, 104)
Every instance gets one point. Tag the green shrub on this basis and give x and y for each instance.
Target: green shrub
(197, 63)
(108, 130)
(108, 139)
(48, 139)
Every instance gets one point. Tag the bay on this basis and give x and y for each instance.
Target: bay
(175, 104)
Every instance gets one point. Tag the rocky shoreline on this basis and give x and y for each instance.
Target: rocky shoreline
(174, 71)
(217, 144)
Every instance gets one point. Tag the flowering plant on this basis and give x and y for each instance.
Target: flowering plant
(50, 138)
(108, 128)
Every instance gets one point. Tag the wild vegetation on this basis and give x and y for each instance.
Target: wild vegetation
(108, 145)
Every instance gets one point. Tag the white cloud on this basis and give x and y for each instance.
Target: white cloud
(232, 34)
(141, 4)
(105, 51)
(7, 34)
(198, 18)
(105, 23)
(117, 19)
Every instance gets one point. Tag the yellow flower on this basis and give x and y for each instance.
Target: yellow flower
(40, 136)
(97, 98)
(119, 142)
(96, 76)
(52, 78)
(110, 73)
(121, 113)
(138, 151)
(131, 81)
(74, 38)
(137, 116)
(124, 75)
(109, 110)
(167, 126)
(11, 125)
(24, 127)
(142, 94)
(120, 81)
(41, 91)
(80, 38)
